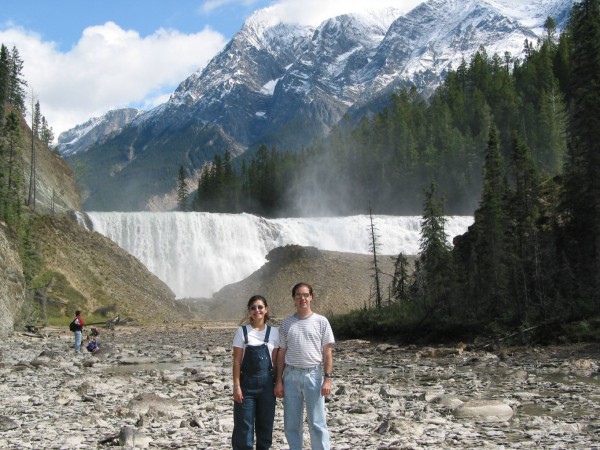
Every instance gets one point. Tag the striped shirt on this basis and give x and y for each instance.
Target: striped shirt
(304, 340)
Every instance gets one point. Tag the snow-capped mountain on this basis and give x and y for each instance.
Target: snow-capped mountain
(95, 130)
(284, 84)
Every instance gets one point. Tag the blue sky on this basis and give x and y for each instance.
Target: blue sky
(83, 58)
(62, 21)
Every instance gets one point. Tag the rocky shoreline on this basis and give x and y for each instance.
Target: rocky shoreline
(170, 387)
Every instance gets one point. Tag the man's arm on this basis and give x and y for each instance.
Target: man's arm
(279, 374)
(327, 368)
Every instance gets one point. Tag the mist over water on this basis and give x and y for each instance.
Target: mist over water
(196, 254)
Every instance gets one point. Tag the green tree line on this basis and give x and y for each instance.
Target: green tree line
(531, 259)
(515, 141)
(385, 159)
(17, 198)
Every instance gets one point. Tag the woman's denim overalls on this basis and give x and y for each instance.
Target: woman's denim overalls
(257, 410)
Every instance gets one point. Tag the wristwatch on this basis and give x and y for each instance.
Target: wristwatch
(328, 375)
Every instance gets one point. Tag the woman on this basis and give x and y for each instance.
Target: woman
(255, 348)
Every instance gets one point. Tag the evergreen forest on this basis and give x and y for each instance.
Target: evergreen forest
(18, 185)
(514, 142)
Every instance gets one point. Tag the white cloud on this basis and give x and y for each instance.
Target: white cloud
(313, 12)
(108, 68)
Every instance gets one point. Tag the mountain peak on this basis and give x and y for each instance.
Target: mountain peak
(284, 84)
(95, 130)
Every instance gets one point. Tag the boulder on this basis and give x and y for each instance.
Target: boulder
(485, 410)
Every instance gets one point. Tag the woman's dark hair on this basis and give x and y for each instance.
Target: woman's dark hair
(256, 298)
(298, 285)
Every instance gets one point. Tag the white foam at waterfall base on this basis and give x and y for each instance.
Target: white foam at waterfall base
(196, 254)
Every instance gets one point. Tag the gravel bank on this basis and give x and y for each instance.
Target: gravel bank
(170, 387)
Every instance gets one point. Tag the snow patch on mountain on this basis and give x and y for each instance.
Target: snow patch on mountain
(274, 73)
(95, 130)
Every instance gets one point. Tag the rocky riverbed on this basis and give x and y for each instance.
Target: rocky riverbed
(170, 387)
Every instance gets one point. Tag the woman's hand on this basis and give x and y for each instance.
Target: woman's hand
(238, 396)
(279, 389)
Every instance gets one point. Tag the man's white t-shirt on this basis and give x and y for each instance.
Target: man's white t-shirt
(304, 339)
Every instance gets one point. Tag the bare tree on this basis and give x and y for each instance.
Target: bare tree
(374, 246)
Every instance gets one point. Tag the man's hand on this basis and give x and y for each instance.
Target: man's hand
(326, 387)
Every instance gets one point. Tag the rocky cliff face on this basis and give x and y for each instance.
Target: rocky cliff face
(55, 187)
(12, 282)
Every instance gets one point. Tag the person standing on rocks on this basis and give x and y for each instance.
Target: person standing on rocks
(255, 352)
(305, 370)
(78, 324)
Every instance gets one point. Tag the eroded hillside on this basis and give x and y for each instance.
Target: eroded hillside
(87, 271)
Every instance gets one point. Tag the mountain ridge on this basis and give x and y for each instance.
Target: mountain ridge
(287, 84)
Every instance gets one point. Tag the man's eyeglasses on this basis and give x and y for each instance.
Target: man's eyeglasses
(255, 307)
(302, 295)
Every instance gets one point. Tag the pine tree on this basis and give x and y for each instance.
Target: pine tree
(400, 280)
(181, 190)
(229, 185)
(490, 230)
(581, 204)
(552, 130)
(434, 270)
(35, 131)
(46, 133)
(4, 79)
(11, 181)
(202, 201)
(218, 184)
(526, 279)
(16, 83)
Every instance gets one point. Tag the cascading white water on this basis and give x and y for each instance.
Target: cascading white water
(196, 254)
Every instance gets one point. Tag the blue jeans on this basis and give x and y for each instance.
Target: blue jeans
(303, 386)
(255, 414)
(78, 338)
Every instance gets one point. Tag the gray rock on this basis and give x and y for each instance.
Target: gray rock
(6, 424)
(485, 410)
(150, 402)
(131, 438)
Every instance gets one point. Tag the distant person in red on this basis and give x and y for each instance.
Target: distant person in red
(78, 325)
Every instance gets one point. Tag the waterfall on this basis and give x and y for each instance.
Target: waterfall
(196, 254)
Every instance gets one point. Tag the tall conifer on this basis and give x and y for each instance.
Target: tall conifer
(581, 203)
(435, 264)
(181, 190)
(490, 230)
(526, 290)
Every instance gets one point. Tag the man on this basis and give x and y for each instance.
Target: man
(78, 330)
(305, 370)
